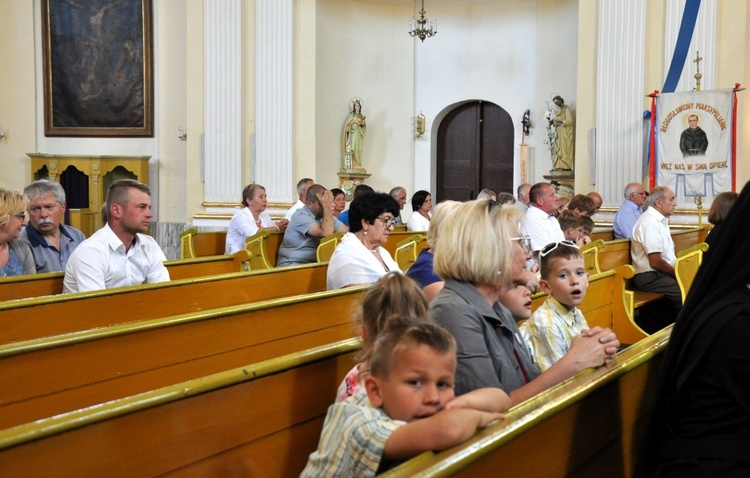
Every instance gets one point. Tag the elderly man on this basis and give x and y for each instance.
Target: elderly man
(523, 197)
(652, 249)
(399, 194)
(540, 224)
(308, 225)
(119, 254)
(302, 186)
(51, 242)
(630, 210)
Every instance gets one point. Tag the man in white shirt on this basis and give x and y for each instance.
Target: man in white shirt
(302, 186)
(630, 210)
(399, 194)
(652, 249)
(540, 225)
(119, 254)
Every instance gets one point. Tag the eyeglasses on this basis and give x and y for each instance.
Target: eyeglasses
(388, 222)
(554, 245)
(524, 242)
(642, 193)
(21, 216)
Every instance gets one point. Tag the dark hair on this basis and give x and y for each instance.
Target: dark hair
(418, 198)
(361, 190)
(562, 251)
(584, 204)
(369, 207)
(588, 224)
(720, 207)
(403, 334)
(337, 191)
(314, 189)
(505, 198)
(249, 192)
(568, 218)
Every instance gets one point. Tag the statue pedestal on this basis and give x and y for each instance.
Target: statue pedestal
(563, 181)
(349, 179)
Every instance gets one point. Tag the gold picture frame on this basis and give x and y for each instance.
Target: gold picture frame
(98, 68)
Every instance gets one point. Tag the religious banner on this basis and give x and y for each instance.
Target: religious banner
(694, 142)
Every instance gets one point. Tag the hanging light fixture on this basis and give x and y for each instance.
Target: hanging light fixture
(419, 28)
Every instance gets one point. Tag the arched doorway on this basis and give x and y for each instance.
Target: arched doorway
(474, 151)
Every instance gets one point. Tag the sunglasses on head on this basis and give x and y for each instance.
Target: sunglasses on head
(554, 245)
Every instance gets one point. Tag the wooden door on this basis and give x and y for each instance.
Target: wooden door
(474, 151)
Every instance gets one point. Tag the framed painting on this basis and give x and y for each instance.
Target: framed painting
(98, 68)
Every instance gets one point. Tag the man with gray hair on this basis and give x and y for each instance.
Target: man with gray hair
(399, 194)
(120, 253)
(51, 242)
(630, 210)
(652, 248)
(302, 186)
(523, 197)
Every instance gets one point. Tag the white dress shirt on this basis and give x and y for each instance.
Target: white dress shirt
(101, 262)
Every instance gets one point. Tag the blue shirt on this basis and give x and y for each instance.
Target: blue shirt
(46, 257)
(344, 217)
(421, 270)
(625, 219)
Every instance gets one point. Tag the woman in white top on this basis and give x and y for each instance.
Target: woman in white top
(360, 258)
(250, 219)
(421, 204)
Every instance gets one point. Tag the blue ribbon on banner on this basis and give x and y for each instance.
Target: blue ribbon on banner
(689, 17)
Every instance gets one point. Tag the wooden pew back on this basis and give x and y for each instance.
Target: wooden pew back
(590, 425)
(114, 362)
(51, 283)
(258, 420)
(200, 244)
(262, 248)
(686, 267)
(28, 319)
(397, 236)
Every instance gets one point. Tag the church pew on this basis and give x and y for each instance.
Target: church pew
(51, 283)
(589, 425)
(262, 419)
(603, 234)
(107, 363)
(394, 238)
(28, 319)
(200, 244)
(263, 248)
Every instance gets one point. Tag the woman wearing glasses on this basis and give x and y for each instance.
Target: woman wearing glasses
(15, 256)
(479, 252)
(361, 258)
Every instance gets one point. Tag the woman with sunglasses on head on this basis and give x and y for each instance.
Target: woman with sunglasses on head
(478, 254)
(361, 257)
(16, 257)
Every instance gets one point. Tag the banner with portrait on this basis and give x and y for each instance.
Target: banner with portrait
(694, 136)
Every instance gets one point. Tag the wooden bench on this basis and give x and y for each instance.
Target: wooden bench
(327, 246)
(602, 234)
(589, 425)
(263, 248)
(102, 364)
(408, 250)
(199, 244)
(51, 283)
(687, 266)
(258, 420)
(28, 319)
(396, 237)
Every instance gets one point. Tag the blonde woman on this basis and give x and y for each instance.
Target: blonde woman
(15, 256)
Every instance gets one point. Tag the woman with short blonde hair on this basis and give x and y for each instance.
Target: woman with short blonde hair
(478, 253)
(16, 257)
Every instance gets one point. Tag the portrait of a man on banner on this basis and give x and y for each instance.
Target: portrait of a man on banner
(694, 142)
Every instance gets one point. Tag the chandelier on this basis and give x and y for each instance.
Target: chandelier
(419, 28)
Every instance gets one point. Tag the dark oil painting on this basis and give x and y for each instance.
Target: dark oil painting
(98, 67)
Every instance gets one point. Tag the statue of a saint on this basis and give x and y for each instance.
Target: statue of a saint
(561, 119)
(354, 134)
